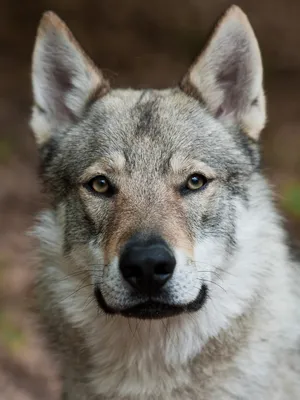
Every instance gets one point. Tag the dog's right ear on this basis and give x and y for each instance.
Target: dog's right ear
(64, 79)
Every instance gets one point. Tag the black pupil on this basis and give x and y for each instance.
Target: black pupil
(101, 182)
(195, 180)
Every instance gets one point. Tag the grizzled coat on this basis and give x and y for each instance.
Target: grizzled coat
(236, 334)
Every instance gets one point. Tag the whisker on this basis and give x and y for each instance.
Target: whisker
(213, 266)
(214, 283)
(91, 297)
(76, 291)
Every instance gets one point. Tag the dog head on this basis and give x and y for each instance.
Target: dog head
(151, 189)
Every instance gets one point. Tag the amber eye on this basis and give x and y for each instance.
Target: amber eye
(99, 184)
(196, 181)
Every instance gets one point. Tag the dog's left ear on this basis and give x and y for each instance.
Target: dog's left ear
(228, 75)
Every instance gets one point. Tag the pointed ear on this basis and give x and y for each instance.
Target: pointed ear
(64, 79)
(228, 75)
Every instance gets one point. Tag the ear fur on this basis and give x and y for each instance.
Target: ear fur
(228, 75)
(64, 79)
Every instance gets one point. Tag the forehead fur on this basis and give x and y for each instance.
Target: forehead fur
(146, 130)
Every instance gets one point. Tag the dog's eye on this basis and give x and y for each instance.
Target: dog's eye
(196, 181)
(99, 184)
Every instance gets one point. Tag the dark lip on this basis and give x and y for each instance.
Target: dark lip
(154, 309)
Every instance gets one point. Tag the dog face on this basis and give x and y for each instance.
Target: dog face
(150, 187)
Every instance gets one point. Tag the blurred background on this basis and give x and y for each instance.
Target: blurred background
(136, 43)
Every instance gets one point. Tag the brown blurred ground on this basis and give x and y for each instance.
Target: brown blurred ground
(137, 43)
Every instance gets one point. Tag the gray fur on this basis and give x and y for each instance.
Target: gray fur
(244, 342)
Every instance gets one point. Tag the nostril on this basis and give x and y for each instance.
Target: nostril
(132, 271)
(162, 269)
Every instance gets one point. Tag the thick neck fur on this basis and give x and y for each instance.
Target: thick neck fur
(149, 359)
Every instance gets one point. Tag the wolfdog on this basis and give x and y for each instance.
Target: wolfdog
(165, 271)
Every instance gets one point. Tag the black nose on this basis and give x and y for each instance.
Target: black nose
(147, 264)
